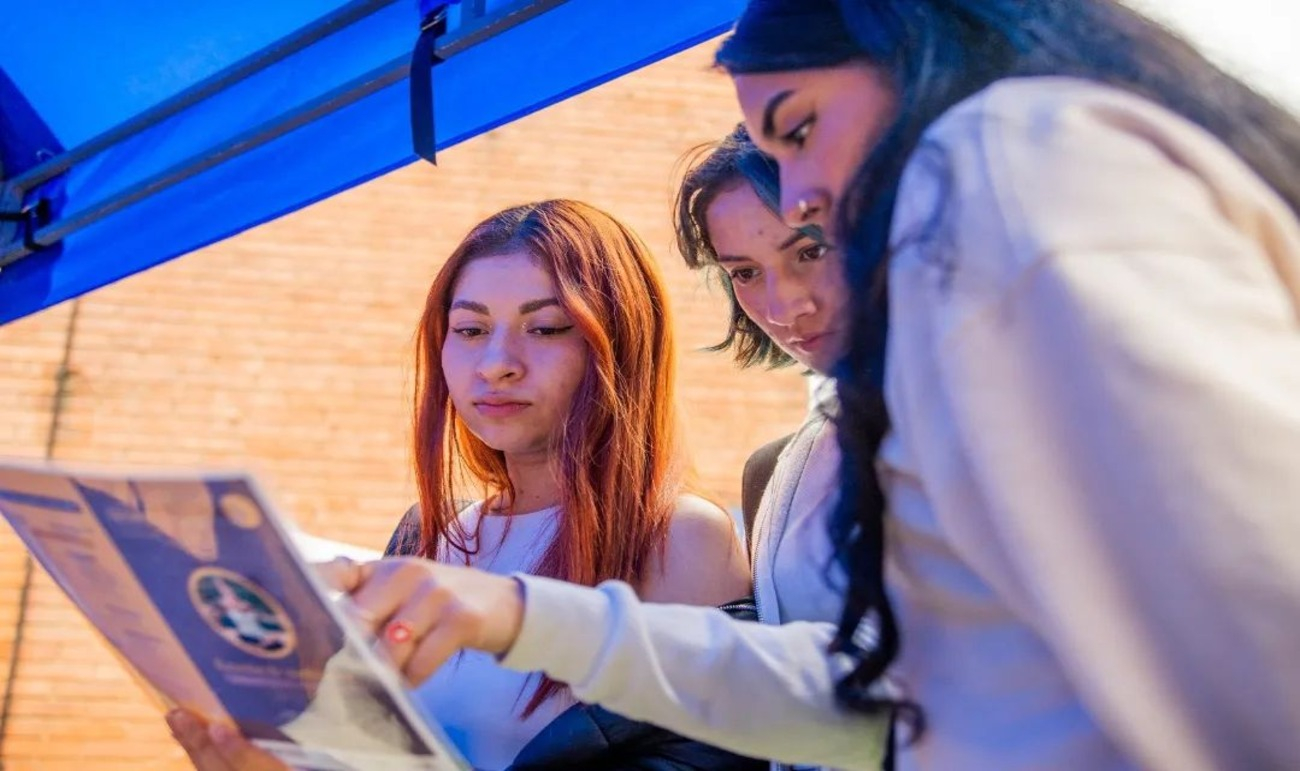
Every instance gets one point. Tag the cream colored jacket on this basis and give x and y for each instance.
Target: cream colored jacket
(1094, 472)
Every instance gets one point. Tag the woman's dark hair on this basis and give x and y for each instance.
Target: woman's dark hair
(936, 53)
(711, 170)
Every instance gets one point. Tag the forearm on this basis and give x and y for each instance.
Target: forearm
(763, 691)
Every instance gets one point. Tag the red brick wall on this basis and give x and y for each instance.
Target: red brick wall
(287, 350)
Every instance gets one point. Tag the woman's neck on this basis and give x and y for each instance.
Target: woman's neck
(534, 482)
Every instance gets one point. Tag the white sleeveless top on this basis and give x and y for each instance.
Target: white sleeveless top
(477, 701)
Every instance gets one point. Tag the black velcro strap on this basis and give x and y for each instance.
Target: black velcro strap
(29, 217)
(423, 60)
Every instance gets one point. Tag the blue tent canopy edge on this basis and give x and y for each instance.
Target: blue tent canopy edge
(565, 50)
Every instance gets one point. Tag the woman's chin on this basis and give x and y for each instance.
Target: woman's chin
(512, 444)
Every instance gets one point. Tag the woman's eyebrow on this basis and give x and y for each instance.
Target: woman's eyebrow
(470, 305)
(529, 307)
(769, 112)
(795, 237)
(537, 305)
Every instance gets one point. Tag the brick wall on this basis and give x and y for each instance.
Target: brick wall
(287, 350)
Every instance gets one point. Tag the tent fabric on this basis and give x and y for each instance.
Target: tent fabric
(85, 66)
(25, 141)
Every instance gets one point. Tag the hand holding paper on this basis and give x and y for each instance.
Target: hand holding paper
(423, 612)
(218, 746)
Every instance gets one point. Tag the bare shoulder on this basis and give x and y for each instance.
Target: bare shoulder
(704, 560)
(696, 516)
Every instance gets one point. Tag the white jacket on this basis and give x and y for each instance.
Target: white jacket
(1094, 535)
(697, 666)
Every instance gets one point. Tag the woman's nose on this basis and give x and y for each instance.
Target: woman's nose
(499, 360)
(802, 204)
(788, 298)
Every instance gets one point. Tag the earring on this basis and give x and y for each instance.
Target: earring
(802, 203)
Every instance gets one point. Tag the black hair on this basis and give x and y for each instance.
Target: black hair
(713, 169)
(936, 53)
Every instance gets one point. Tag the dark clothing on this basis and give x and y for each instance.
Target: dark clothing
(405, 541)
(753, 481)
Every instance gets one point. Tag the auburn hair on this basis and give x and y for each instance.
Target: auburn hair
(618, 457)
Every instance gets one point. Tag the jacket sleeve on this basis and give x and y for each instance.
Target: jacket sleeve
(758, 690)
(1117, 356)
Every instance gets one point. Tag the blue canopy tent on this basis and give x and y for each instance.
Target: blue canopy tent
(135, 131)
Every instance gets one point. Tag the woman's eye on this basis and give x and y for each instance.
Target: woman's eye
(550, 331)
(813, 252)
(799, 134)
(743, 275)
(468, 332)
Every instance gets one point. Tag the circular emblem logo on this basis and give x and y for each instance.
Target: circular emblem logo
(242, 613)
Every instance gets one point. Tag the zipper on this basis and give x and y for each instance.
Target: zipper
(759, 539)
(763, 529)
(765, 523)
(753, 572)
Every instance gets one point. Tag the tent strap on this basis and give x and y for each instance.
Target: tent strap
(29, 217)
(423, 59)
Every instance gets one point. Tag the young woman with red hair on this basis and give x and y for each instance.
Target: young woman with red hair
(547, 442)
(545, 392)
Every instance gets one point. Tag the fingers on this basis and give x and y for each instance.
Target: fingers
(463, 609)
(409, 624)
(431, 623)
(376, 589)
(191, 732)
(342, 574)
(240, 753)
(421, 612)
(218, 746)
(440, 644)
(387, 585)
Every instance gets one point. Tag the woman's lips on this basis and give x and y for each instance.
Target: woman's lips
(500, 409)
(812, 343)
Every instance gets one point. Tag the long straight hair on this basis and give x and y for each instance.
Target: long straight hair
(936, 53)
(618, 457)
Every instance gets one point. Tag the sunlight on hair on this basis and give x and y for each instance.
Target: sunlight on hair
(1253, 39)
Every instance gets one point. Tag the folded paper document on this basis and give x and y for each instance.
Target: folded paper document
(205, 591)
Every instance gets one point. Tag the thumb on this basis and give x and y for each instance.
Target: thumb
(342, 574)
